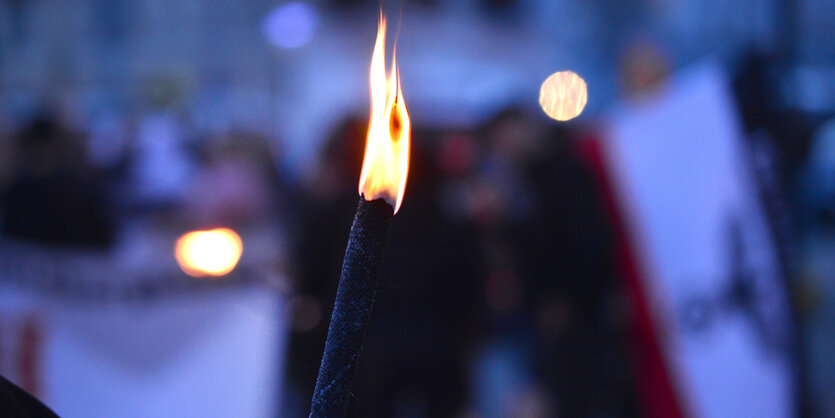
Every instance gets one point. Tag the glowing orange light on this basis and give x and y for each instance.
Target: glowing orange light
(563, 95)
(386, 163)
(209, 253)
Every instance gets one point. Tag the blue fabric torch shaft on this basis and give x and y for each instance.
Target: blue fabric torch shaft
(352, 310)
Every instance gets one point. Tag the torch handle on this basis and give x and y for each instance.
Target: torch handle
(355, 296)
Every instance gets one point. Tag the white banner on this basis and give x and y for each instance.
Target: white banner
(707, 260)
(215, 353)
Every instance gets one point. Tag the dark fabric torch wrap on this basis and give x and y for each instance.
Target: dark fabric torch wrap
(355, 296)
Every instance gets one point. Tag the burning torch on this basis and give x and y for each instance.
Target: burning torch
(382, 182)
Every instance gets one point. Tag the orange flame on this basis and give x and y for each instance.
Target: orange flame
(386, 163)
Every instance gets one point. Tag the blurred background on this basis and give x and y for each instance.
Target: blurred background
(670, 252)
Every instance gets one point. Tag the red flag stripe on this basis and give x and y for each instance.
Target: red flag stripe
(656, 393)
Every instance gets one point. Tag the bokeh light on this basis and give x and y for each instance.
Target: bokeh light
(563, 95)
(291, 25)
(211, 253)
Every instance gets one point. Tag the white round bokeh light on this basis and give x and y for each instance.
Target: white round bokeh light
(563, 95)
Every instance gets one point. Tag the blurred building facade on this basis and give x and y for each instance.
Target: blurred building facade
(99, 56)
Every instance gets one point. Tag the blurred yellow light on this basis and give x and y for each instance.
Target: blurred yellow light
(563, 95)
(209, 253)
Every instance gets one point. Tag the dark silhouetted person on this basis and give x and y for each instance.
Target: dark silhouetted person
(55, 198)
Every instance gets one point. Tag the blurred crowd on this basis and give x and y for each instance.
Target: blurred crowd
(498, 278)
(500, 293)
